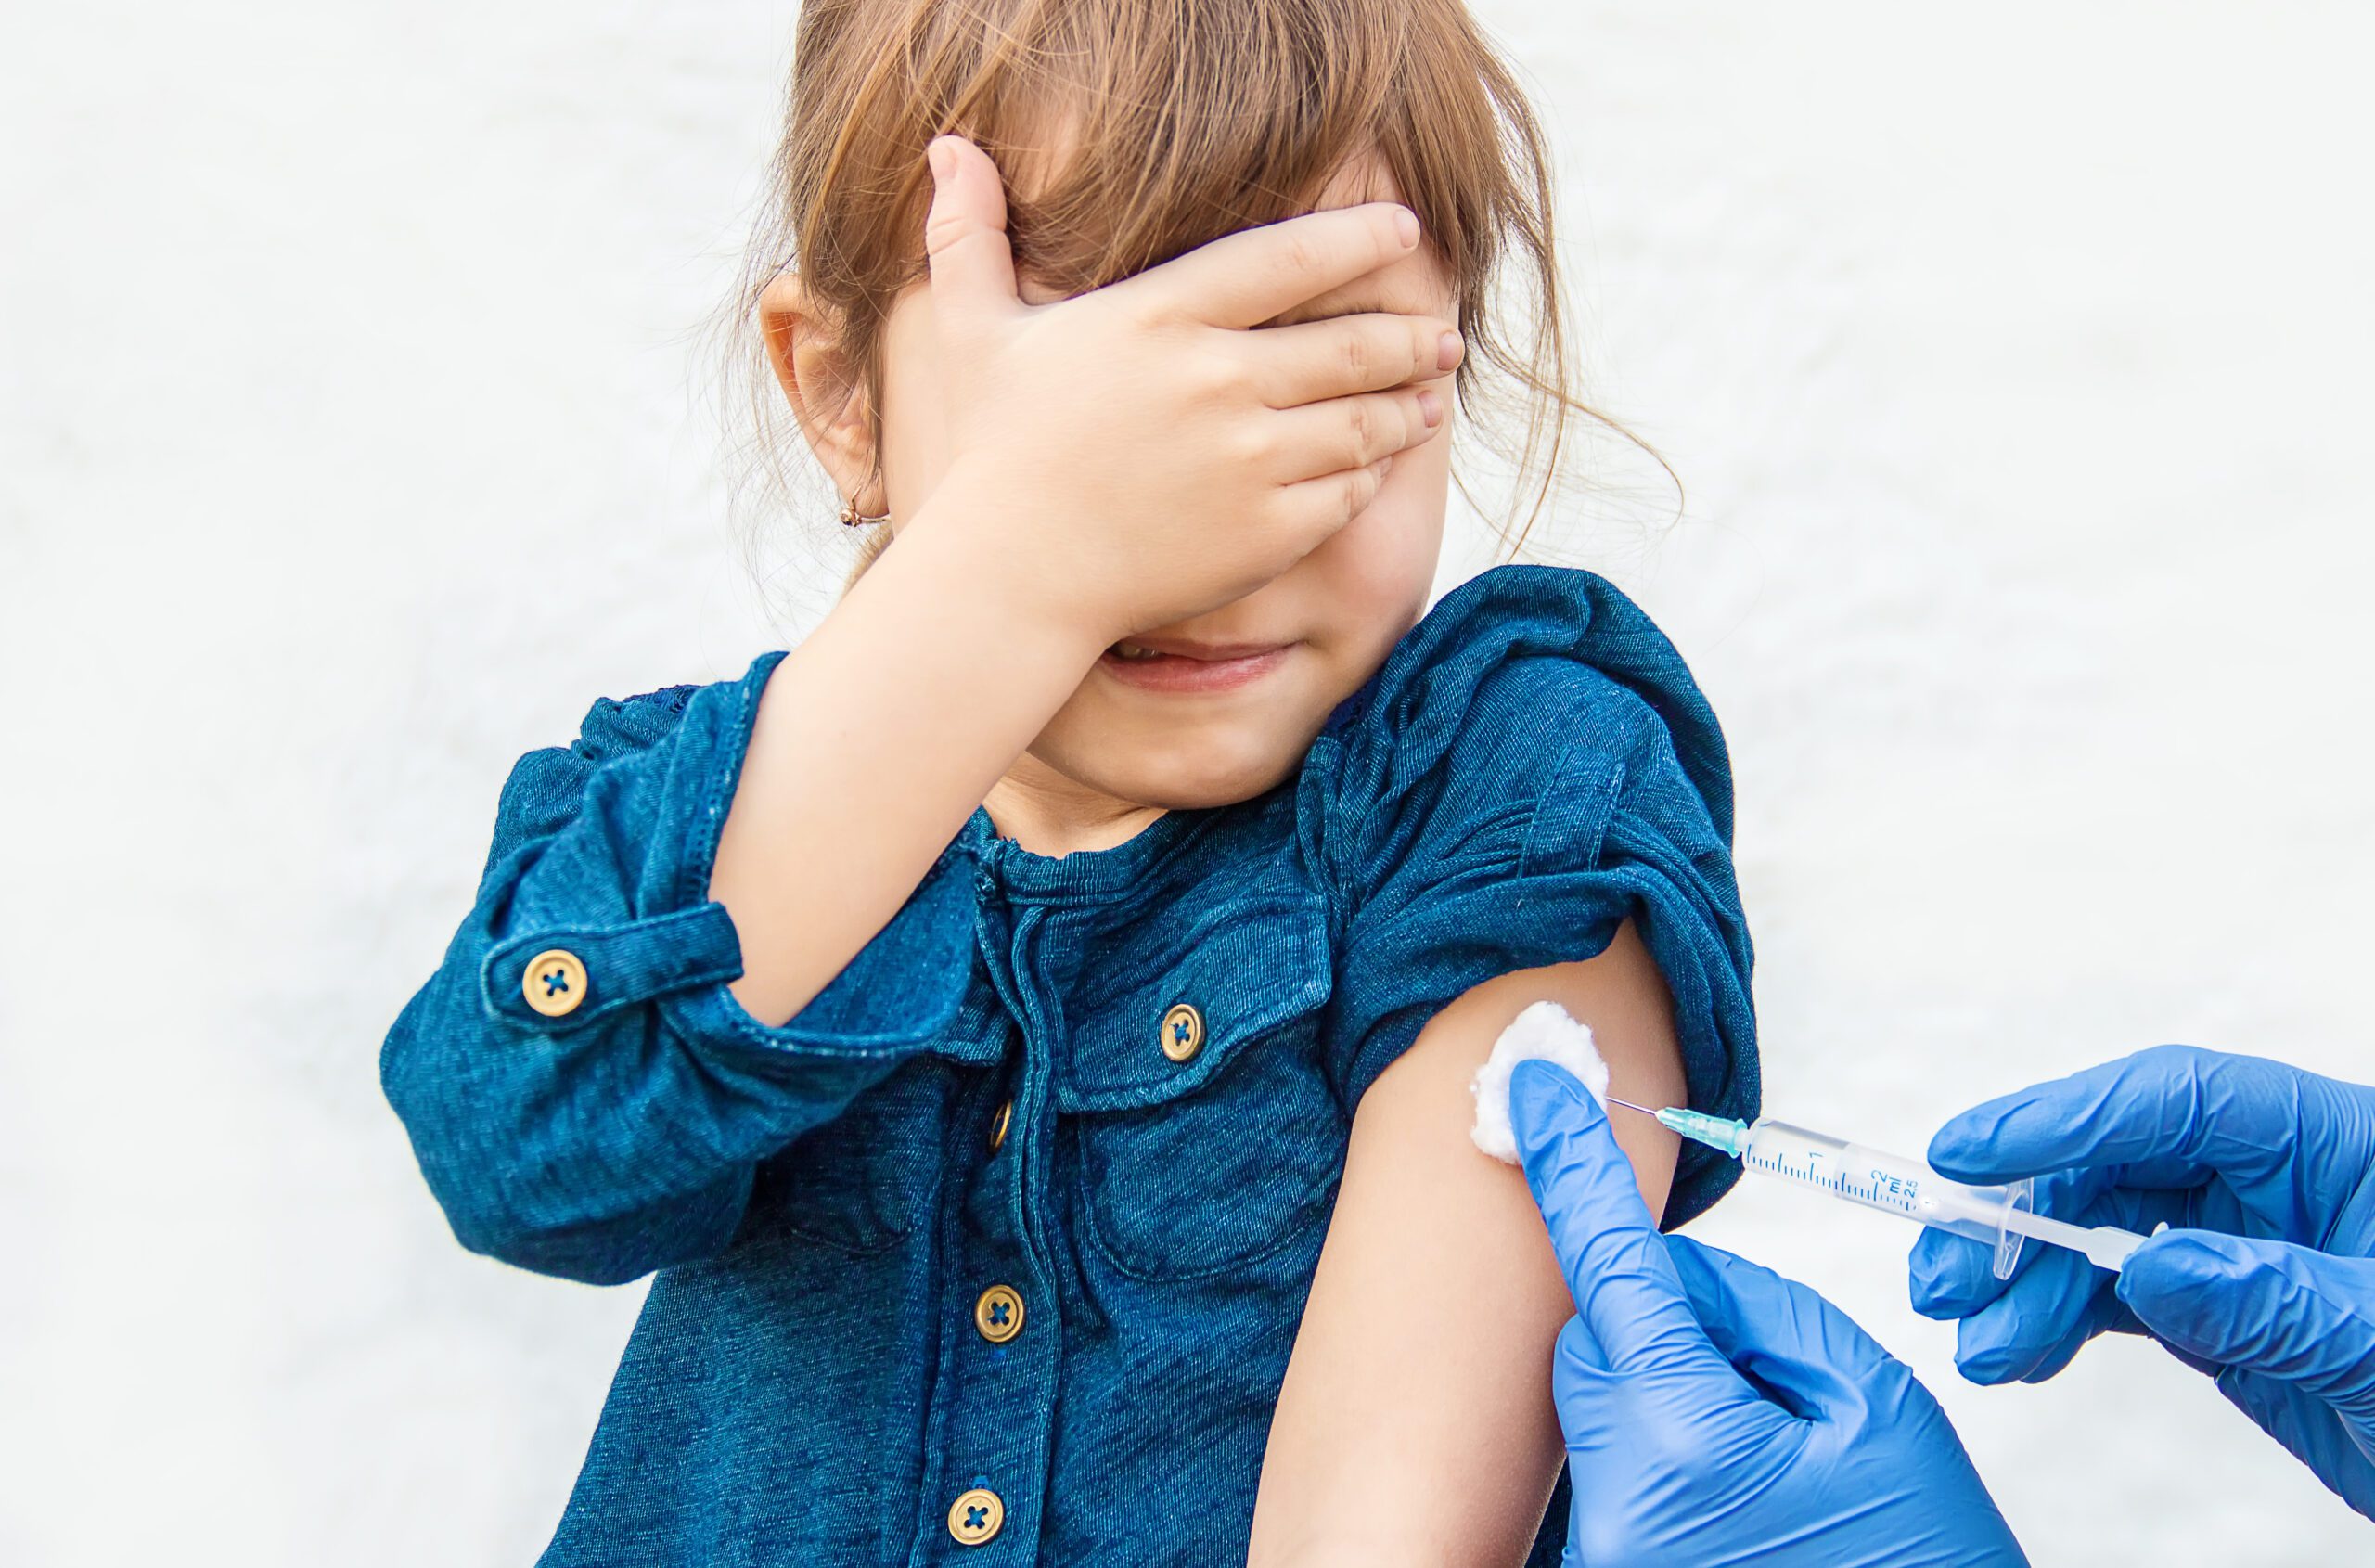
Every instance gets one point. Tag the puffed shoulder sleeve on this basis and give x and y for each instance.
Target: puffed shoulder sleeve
(1532, 766)
(584, 1092)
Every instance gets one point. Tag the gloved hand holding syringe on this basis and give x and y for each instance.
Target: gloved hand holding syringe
(1998, 1216)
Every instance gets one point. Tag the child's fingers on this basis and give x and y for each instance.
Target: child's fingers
(1315, 360)
(1244, 278)
(1344, 432)
(973, 265)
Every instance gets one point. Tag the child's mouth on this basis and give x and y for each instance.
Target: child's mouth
(1163, 664)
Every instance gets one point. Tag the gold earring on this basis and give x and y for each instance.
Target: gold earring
(851, 517)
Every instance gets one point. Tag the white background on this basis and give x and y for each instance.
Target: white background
(353, 442)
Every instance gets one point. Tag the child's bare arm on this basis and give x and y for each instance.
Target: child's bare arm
(1416, 1422)
(874, 739)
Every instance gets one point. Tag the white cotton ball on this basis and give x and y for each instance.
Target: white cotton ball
(1542, 1030)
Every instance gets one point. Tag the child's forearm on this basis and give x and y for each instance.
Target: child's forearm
(877, 737)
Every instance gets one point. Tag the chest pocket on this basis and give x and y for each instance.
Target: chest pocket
(1207, 1136)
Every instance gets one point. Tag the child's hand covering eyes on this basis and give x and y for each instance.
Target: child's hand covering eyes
(1151, 457)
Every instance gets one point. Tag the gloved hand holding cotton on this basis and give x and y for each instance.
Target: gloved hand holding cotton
(1544, 1030)
(1714, 1411)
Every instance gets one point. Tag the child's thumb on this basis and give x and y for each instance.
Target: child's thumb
(972, 267)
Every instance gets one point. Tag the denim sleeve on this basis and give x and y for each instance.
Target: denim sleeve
(620, 1135)
(1514, 817)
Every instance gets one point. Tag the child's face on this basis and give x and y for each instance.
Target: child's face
(1333, 616)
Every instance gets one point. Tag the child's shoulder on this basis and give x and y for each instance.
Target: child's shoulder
(1532, 766)
(615, 726)
(1517, 682)
(702, 725)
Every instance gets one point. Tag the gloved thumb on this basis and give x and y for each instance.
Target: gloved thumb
(2287, 1312)
(1615, 1261)
(1786, 1337)
(965, 238)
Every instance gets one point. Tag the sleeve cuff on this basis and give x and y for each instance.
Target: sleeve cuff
(902, 990)
(681, 948)
(559, 978)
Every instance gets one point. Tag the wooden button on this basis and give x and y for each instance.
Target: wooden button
(1183, 1032)
(555, 981)
(997, 1125)
(998, 1313)
(975, 1516)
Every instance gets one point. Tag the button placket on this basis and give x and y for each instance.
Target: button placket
(999, 1385)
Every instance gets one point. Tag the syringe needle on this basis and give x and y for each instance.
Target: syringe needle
(1716, 1132)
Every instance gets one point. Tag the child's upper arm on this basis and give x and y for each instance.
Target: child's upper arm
(1532, 768)
(1531, 800)
(1416, 1422)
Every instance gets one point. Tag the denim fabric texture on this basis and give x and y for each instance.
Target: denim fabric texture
(823, 1202)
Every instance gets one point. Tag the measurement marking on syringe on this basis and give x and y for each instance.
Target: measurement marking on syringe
(1889, 1194)
(1996, 1216)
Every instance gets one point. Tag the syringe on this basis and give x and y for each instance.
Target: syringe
(1998, 1216)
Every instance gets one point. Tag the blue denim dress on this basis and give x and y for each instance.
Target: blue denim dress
(994, 1254)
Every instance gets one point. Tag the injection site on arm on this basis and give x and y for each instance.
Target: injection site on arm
(1545, 1030)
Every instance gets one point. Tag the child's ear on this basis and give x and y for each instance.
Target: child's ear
(818, 381)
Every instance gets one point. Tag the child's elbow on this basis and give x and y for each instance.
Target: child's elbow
(566, 1253)
(508, 1192)
(510, 1215)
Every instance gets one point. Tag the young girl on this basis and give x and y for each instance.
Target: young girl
(1027, 1027)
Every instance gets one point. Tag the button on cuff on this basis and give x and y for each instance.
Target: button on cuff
(576, 976)
(554, 984)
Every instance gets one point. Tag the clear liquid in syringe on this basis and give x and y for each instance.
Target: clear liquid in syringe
(1997, 1218)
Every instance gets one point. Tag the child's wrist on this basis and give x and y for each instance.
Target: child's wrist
(995, 554)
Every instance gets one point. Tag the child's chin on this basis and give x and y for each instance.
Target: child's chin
(1195, 776)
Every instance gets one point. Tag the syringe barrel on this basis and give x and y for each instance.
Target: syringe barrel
(1890, 1183)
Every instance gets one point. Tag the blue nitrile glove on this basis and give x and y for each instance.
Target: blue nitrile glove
(2269, 1174)
(1715, 1411)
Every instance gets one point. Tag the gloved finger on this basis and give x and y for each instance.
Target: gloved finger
(2046, 1311)
(1949, 1276)
(2298, 1316)
(2190, 1111)
(1785, 1336)
(1580, 1379)
(2130, 1206)
(2102, 1315)
(1615, 1261)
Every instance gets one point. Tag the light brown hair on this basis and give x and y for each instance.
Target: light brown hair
(1182, 120)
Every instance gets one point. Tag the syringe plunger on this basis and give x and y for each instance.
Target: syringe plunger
(1998, 1217)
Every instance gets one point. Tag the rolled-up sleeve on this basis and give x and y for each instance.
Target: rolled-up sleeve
(584, 1094)
(1534, 769)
